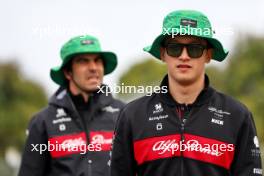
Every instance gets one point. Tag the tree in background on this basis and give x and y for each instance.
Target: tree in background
(19, 100)
(147, 73)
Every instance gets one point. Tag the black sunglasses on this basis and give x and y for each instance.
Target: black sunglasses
(194, 50)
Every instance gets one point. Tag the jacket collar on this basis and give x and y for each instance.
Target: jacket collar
(63, 98)
(202, 98)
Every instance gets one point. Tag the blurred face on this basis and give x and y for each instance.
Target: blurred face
(185, 57)
(86, 73)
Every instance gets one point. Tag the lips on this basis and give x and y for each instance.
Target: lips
(183, 66)
(90, 77)
(93, 77)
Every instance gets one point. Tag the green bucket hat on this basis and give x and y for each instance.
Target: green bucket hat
(80, 45)
(187, 22)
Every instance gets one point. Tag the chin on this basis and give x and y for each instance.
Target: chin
(93, 87)
(184, 80)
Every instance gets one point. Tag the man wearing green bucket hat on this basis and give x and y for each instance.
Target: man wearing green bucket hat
(73, 134)
(192, 129)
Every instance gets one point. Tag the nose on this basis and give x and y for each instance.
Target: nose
(184, 55)
(92, 65)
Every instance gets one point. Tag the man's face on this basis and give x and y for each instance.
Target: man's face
(86, 73)
(183, 68)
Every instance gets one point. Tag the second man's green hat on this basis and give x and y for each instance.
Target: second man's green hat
(81, 45)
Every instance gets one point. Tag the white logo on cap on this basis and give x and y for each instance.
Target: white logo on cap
(87, 42)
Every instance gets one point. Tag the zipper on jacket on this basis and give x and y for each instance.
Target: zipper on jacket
(186, 115)
(82, 119)
(86, 134)
(181, 142)
(90, 167)
(183, 114)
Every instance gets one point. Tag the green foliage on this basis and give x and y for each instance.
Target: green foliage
(148, 73)
(5, 169)
(19, 99)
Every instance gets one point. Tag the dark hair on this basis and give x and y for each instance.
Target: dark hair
(68, 66)
(164, 41)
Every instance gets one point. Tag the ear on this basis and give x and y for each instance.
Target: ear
(209, 55)
(67, 74)
(162, 54)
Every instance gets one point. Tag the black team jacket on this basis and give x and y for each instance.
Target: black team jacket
(70, 137)
(214, 136)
